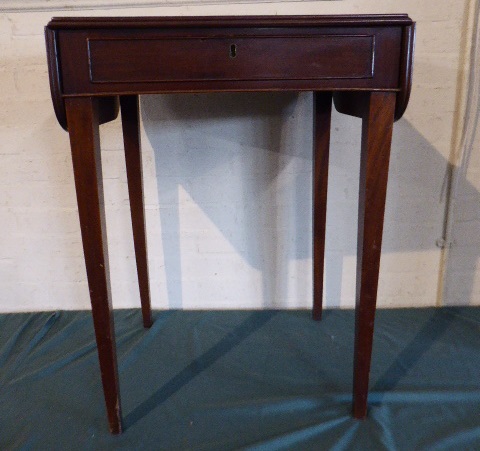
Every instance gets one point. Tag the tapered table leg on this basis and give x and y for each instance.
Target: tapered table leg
(376, 140)
(83, 121)
(322, 103)
(133, 158)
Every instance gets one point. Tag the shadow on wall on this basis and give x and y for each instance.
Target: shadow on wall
(243, 160)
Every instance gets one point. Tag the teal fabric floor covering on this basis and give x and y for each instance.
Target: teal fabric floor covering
(256, 380)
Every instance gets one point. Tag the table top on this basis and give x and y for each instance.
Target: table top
(364, 20)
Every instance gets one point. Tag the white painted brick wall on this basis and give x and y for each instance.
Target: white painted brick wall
(227, 183)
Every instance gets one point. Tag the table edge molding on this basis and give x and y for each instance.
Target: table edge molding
(363, 20)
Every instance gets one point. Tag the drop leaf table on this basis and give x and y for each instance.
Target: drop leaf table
(98, 65)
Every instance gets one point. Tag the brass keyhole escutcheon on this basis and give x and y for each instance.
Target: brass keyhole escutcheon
(233, 51)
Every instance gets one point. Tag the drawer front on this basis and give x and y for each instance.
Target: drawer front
(234, 58)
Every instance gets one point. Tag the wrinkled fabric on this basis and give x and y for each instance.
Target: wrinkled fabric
(252, 380)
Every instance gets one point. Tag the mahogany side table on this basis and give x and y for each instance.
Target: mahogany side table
(96, 65)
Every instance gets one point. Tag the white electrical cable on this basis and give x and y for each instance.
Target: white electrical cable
(470, 129)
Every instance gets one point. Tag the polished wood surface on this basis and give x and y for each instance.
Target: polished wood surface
(363, 62)
(133, 160)
(209, 22)
(377, 125)
(83, 122)
(322, 104)
(198, 60)
(158, 58)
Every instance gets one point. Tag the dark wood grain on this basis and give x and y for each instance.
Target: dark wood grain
(108, 106)
(406, 70)
(83, 122)
(377, 128)
(169, 59)
(364, 61)
(352, 103)
(71, 74)
(322, 103)
(54, 76)
(110, 62)
(133, 159)
(230, 21)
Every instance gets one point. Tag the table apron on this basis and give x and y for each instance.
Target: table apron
(111, 62)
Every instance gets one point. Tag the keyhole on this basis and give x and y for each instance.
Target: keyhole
(233, 51)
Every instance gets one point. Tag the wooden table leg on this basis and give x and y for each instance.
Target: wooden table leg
(376, 140)
(133, 158)
(322, 103)
(83, 121)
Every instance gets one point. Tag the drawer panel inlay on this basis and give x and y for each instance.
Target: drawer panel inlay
(231, 58)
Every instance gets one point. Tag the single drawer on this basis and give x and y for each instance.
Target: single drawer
(177, 59)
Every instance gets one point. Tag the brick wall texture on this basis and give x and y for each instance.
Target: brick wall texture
(228, 183)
